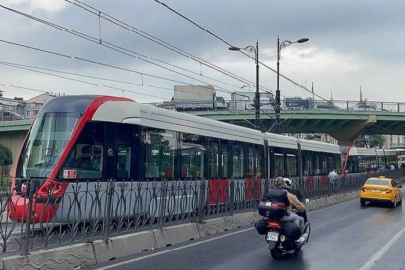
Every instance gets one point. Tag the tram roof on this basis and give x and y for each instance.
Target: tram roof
(319, 146)
(150, 116)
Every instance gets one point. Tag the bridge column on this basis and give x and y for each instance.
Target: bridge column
(347, 135)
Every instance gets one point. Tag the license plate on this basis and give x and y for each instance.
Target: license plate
(375, 190)
(268, 204)
(272, 236)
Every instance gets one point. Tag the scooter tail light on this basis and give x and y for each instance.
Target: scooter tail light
(274, 225)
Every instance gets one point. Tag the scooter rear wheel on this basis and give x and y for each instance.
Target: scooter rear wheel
(276, 254)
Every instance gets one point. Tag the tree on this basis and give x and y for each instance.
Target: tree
(370, 141)
(309, 137)
(6, 156)
(377, 140)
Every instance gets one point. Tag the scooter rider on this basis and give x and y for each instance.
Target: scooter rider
(283, 196)
(297, 193)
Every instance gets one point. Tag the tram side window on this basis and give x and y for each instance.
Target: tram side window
(123, 142)
(307, 164)
(250, 170)
(258, 155)
(160, 147)
(316, 163)
(237, 160)
(337, 163)
(362, 162)
(330, 164)
(352, 164)
(224, 159)
(192, 156)
(86, 158)
(213, 159)
(291, 165)
(324, 163)
(278, 164)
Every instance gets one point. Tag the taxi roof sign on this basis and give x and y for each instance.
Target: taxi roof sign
(382, 177)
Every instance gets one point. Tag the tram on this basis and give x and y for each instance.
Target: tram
(82, 142)
(359, 160)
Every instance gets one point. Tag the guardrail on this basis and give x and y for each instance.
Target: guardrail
(98, 210)
(248, 105)
(317, 105)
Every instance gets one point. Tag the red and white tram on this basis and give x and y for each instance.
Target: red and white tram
(77, 140)
(360, 160)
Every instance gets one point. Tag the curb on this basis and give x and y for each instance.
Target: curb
(331, 200)
(87, 254)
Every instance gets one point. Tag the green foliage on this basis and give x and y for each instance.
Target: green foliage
(6, 156)
(377, 140)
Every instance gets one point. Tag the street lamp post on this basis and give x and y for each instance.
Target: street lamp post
(257, 95)
(280, 46)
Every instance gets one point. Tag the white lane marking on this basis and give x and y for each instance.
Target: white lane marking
(174, 249)
(374, 259)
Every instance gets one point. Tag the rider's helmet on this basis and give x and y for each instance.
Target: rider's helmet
(287, 183)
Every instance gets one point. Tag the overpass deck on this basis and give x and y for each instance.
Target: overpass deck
(315, 121)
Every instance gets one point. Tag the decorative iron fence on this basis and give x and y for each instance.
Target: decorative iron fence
(87, 211)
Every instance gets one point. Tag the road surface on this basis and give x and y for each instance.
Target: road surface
(344, 236)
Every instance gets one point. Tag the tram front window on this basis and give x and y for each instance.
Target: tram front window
(46, 142)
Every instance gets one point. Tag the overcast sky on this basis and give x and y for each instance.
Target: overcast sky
(352, 44)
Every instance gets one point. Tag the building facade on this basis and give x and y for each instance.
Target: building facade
(33, 105)
(394, 141)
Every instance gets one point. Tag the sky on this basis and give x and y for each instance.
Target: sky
(352, 44)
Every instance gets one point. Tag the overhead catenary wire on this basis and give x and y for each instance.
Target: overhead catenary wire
(114, 47)
(229, 44)
(103, 64)
(97, 41)
(132, 29)
(140, 58)
(31, 68)
(106, 86)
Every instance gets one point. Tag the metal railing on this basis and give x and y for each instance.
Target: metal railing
(89, 211)
(248, 105)
(315, 105)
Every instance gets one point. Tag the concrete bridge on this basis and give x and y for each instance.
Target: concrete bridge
(345, 125)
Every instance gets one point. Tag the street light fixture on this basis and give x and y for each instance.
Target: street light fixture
(280, 46)
(257, 95)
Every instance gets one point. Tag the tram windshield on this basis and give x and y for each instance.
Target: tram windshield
(46, 142)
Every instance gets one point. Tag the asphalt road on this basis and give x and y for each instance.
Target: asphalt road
(345, 236)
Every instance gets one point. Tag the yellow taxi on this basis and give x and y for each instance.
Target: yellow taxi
(381, 189)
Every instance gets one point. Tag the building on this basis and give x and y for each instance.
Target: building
(394, 141)
(34, 104)
(13, 105)
(17, 108)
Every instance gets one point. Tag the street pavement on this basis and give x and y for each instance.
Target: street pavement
(344, 236)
